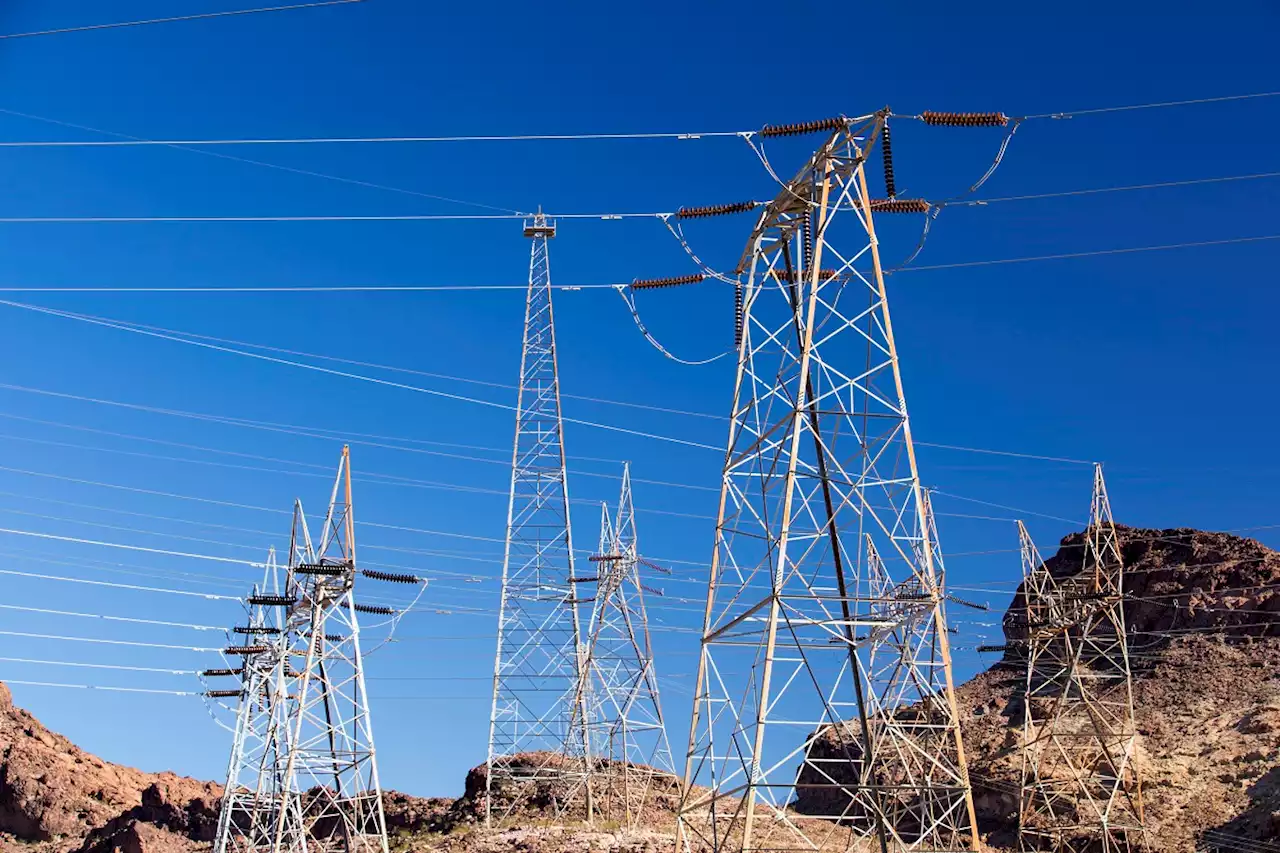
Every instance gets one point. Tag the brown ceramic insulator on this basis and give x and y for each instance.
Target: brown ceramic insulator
(899, 205)
(224, 694)
(651, 564)
(584, 579)
(245, 650)
(213, 673)
(604, 558)
(273, 600)
(939, 119)
(714, 210)
(788, 277)
(965, 603)
(673, 281)
(375, 609)
(319, 569)
(391, 577)
(652, 589)
(256, 629)
(335, 638)
(886, 152)
(797, 129)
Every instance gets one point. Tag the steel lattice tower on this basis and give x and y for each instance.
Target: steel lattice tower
(252, 798)
(537, 733)
(626, 724)
(333, 798)
(821, 509)
(1080, 788)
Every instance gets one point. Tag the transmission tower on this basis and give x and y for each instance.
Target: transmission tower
(1080, 787)
(537, 734)
(802, 739)
(626, 722)
(333, 801)
(252, 798)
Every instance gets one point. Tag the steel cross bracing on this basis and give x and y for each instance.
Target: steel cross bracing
(824, 714)
(333, 800)
(251, 802)
(628, 738)
(1080, 787)
(537, 735)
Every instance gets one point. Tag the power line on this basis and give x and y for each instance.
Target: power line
(1155, 106)
(107, 642)
(209, 595)
(545, 137)
(99, 686)
(103, 666)
(108, 323)
(220, 155)
(1090, 254)
(177, 18)
(107, 618)
(1098, 190)
(402, 217)
(463, 288)
(162, 551)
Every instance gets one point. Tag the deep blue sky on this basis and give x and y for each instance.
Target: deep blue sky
(1162, 364)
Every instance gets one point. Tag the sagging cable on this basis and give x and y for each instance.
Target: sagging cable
(629, 299)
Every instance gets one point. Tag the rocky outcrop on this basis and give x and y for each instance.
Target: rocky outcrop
(1204, 621)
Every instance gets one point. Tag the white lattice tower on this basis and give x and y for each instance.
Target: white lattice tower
(626, 725)
(819, 483)
(252, 797)
(537, 735)
(1081, 790)
(334, 799)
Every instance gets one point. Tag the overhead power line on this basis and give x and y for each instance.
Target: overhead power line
(515, 215)
(108, 323)
(1091, 254)
(177, 18)
(310, 173)
(101, 687)
(551, 137)
(359, 288)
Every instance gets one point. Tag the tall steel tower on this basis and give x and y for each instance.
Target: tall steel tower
(252, 798)
(626, 724)
(795, 743)
(537, 732)
(1080, 788)
(333, 800)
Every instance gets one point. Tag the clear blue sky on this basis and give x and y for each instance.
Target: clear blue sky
(1162, 364)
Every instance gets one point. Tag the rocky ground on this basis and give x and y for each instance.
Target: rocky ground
(1205, 625)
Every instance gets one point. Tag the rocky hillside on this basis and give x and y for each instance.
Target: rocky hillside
(1204, 616)
(56, 797)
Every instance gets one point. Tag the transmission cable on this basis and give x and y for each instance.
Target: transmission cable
(278, 167)
(177, 18)
(98, 321)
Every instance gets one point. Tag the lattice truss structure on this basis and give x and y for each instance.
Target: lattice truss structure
(627, 735)
(824, 714)
(319, 775)
(537, 735)
(1080, 787)
(251, 803)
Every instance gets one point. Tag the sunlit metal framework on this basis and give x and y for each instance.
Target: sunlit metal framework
(627, 735)
(333, 798)
(1080, 787)
(252, 797)
(824, 715)
(537, 733)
